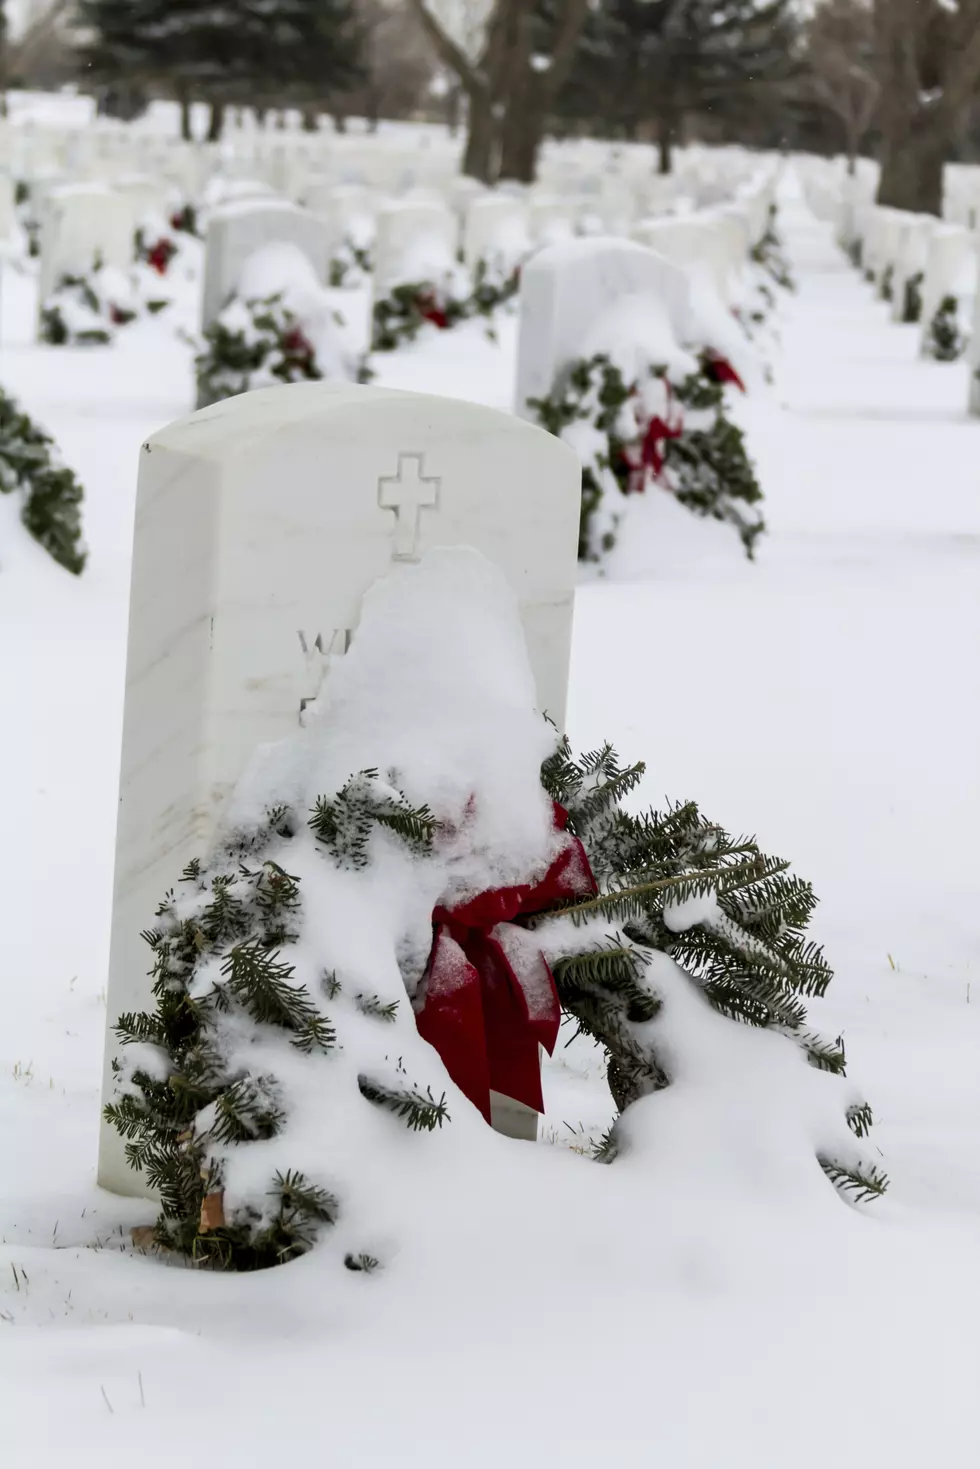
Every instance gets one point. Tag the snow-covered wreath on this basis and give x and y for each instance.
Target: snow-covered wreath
(665, 430)
(279, 327)
(946, 339)
(400, 941)
(50, 495)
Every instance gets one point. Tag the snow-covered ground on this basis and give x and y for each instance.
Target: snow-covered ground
(719, 1312)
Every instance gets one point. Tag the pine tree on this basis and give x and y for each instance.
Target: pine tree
(656, 62)
(745, 947)
(259, 51)
(50, 494)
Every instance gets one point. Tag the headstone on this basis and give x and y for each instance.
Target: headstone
(236, 231)
(549, 219)
(947, 262)
(346, 210)
(414, 239)
(566, 288)
(911, 258)
(81, 223)
(260, 524)
(495, 227)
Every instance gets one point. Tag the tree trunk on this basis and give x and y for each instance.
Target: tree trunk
(479, 158)
(665, 144)
(454, 99)
(186, 131)
(912, 170)
(522, 137)
(216, 122)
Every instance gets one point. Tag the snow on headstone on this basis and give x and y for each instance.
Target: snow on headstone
(82, 224)
(550, 220)
(260, 524)
(414, 240)
(236, 231)
(566, 288)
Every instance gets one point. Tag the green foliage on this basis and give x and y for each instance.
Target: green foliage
(344, 822)
(220, 969)
(400, 316)
(50, 494)
(733, 918)
(912, 303)
(255, 51)
(351, 264)
(945, 340)
(886, 288)
(770, 255)
(707, 467)
(715, 476)
(253, 344)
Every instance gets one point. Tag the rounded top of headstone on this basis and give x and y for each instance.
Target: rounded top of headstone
(349, 414)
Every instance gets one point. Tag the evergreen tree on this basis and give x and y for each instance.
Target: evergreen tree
(643, 62)
(259, 51)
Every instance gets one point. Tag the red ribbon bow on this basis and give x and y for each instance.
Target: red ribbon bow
(650, 455)
(160, 256)
(430, 310)
(721, 370)
(490, 998)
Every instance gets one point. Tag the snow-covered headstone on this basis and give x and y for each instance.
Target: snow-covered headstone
(949, 261)
(236, 231)
(495, 228)
(414, 240)
(260, 524)
(567, 288)
(80, 225)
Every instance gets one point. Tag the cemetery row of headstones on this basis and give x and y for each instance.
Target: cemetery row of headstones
(925, 268)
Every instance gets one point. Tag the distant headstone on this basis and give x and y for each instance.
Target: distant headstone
(82, 224)
(260, 524)
(414, 238)
(566, 289)
(237, 230)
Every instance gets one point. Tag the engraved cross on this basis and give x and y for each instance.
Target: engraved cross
(408, 493)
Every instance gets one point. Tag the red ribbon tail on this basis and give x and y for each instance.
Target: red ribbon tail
(452, 1019)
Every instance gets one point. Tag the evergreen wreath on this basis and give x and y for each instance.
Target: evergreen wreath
(731, 917)
(86, 309)
(185, 220)
(887, 289)
(689, 447)
(50, 494)
(912, 302)
(399, 316)
(770, 254)
(351, 264)
(854, 251)
(945, 339)
(671, 883)
(253, 344)
(156, 250)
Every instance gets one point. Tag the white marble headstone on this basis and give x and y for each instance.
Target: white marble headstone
(260, 524)
(80, 223)
(495, 228)
(414, 240)
(236, 231)
(947, 262)
(566, 288)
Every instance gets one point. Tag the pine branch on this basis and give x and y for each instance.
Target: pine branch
(419, 1112)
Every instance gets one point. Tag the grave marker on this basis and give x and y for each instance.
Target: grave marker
(236, 231)
(260, 524)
